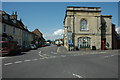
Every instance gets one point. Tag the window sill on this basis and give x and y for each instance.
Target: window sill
(84, 30)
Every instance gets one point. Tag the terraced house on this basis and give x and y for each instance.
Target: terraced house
(15, 30)
(86, 28)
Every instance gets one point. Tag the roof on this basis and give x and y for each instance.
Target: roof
(106, 15)
(18, 24)
(38, 33)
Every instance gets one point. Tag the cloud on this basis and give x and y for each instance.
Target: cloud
(118, 29)
(55, 35)
(58, 32)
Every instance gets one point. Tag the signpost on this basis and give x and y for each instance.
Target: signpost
(70, 43)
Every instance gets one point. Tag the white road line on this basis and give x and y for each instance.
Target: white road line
(109, 56)
(106, 56)
(46, 57)
(8, 64)
(40, 52)
(34, 59)
(53, 52)
(41, 55)
(26, 60)
(18, 62)
(41, 58)
(4, 57)
(63, 56)
(58, 49)
(102, 52)
(53, 56)
(78, 76)
(112, 55)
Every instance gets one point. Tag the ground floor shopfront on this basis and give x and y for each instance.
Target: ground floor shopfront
(90, 42)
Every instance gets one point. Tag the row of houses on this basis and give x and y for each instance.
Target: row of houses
(14, 29)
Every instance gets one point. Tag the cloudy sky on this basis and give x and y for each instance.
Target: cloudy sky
(48, 16)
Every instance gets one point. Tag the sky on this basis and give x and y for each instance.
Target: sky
(48, 16)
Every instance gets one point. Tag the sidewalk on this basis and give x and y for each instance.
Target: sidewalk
(62, 49)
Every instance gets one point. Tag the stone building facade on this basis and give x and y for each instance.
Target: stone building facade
(86, 28)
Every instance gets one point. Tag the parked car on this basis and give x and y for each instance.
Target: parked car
(42, 45)
(58, 44)
(9, 47)
(24, 48)
(33, 46)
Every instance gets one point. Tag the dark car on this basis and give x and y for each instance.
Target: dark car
(25, 48)
(42, 45)
(47, 44)
(58, 44)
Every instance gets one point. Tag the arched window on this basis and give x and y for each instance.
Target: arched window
(83, 24)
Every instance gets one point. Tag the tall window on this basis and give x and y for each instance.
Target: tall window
(83, 24)
(4, 28)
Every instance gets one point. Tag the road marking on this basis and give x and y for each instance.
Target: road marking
(53, 56)
(106, 56)
(4, 57)
(34, 59)
(102, 52)
(46, 57)
(18, 62)
(58, 49)
(63, 56)
(53, 52)
(8, 64)
(26, 60)
(40, 52)
(42, 58)
(41, 55)
(78, 76)
(112, 55)
(109, 56)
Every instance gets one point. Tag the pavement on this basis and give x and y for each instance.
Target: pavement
(57, 62)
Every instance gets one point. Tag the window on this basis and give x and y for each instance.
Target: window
(13, 30)
(14, 21)
(83, 24)
(84, 42)
(6, 17)
(4, 28)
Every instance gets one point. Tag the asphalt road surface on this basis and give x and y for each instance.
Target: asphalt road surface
(56, 62)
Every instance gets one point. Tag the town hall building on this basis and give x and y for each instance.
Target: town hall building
(86, 28)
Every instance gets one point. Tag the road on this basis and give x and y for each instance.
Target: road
(55, 62)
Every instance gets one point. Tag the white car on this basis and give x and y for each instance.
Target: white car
(33, 46)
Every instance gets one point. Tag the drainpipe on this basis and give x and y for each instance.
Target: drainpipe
(73, 40)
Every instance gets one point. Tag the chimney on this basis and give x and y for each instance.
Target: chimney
(14, 15)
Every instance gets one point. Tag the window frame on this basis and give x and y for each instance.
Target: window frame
(85, 28)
